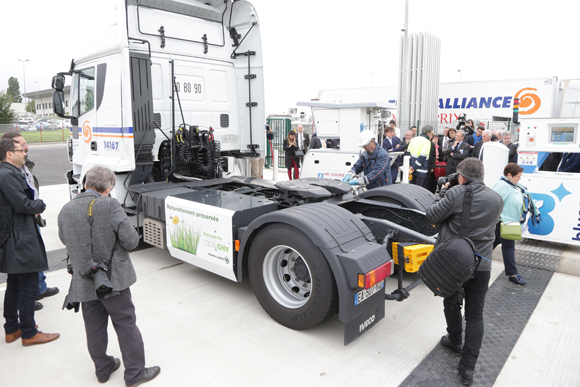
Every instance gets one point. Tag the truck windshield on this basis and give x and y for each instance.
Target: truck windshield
(83, 92)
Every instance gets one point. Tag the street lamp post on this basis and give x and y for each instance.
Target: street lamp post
(36, 102)
(24, 74)
(459, 75)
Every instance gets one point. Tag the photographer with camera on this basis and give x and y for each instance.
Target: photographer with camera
(98, 237)
(447, 213)
(466, 125)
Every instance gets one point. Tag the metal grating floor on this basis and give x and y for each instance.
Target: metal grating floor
(539, 254)
(508, 307)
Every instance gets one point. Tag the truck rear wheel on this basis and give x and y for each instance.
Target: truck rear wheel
(291, 278)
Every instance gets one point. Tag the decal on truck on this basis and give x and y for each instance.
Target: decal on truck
(529, 104)
(528, 100)
(87, 132)
(199, 230)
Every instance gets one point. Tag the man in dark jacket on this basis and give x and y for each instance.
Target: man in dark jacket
(570, 163)
(43, 289)
(374, 162)
(447, 212)
(302, 139)
(105, 236)
(477, 149)
(506, 139)
(22, 252)
(392, 143)
(475, 138)
(457, 151)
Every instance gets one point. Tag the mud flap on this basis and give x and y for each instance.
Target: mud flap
(366, 320)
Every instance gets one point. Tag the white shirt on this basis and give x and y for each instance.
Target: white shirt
(30, 180)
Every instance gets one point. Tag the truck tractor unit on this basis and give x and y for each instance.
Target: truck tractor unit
(175, 107)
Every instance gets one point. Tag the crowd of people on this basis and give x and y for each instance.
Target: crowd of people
(450, 148)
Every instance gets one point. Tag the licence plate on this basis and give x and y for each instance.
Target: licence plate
(366, 293)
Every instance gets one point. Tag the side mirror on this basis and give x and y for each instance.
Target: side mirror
(58, 83)
(58, 101)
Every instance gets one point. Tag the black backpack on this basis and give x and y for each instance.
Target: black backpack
(453, 262)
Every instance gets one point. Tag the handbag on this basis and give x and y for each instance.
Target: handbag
(298, 153)
(510, 231)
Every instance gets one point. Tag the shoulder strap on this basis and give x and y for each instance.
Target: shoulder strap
(513, 185)
(90, 211)
(467, 199)
(90, 219)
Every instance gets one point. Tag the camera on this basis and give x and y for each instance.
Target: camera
(452, 179)
(462, 118)
(97, 272)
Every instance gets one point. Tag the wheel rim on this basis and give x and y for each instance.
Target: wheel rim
(287, 277)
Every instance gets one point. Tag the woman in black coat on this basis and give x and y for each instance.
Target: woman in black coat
(449, 169)
(290, 147)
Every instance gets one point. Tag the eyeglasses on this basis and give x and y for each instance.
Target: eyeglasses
(19, 150)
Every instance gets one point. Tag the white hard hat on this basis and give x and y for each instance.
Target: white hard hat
(365, 137)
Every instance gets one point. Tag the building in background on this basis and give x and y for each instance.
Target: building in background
(43, 102)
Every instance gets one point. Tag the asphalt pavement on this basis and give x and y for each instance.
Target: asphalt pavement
(50, 162)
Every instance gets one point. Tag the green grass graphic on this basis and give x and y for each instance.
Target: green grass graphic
(184, 238)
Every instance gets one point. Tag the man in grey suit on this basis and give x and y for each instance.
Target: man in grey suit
(104, 234)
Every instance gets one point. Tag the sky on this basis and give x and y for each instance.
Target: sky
(331, 44)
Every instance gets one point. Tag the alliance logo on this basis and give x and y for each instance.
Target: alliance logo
(528, 100)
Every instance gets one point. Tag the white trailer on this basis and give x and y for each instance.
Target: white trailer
(343, 121)
(482, 100)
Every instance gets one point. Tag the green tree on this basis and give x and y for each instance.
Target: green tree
(31, 106)
(6, 115)
(14, 90)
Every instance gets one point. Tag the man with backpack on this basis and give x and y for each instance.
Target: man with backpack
(447, 213)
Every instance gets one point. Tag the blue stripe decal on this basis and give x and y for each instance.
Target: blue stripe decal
(128, 130)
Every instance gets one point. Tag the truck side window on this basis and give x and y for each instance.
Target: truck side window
(86, 92)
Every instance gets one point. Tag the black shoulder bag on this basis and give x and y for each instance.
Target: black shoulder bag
(453, 262)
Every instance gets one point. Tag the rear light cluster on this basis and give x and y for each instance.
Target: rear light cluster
(375, 276)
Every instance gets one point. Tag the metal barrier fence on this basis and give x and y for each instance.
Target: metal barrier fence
(37, 136)
(280, 127)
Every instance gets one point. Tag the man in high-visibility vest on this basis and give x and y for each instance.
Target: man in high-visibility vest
(419, 149)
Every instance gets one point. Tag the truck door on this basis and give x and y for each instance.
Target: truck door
(83, 107)
(97, 101)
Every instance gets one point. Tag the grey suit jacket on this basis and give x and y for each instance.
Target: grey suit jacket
(112, 238)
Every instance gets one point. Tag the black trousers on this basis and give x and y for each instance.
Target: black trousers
(122, 312)
(475, 291)
(508, 250)
(422, 181)
(21, 291)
